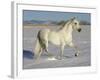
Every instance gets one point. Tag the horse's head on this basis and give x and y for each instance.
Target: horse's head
(75, 24)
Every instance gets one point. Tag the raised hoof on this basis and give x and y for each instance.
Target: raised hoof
(76, 54)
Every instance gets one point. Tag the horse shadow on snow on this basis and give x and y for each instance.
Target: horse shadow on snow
(28, 54)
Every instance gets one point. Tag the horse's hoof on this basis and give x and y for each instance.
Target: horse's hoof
(76, 54)
(59, 58)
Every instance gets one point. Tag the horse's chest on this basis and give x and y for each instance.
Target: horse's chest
(67, 38)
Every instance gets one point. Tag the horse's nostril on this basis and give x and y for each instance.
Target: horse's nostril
(79, 29)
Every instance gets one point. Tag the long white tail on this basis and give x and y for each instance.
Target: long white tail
(38, 48)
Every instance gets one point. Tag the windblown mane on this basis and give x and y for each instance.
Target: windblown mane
(63, 24)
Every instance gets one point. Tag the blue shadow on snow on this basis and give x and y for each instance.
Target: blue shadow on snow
(28, 54)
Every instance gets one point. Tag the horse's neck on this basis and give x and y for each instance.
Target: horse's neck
(67, 28)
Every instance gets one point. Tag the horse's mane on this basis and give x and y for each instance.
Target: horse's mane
(63, 24)
(66, 23)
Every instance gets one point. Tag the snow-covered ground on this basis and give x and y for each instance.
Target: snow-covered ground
(82, 40)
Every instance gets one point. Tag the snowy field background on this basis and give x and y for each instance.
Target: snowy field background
(82, 40)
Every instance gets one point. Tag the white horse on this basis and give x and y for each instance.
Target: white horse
(61, 37)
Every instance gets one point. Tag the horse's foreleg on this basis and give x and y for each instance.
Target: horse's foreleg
(78, 51)
(76, 48)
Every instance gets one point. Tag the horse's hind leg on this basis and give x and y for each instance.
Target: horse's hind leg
(46, 49)
(39, 54)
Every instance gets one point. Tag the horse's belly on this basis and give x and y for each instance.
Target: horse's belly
(54, 39)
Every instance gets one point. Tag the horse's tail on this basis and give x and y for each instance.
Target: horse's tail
(38, 46)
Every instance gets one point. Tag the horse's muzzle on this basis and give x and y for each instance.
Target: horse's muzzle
(79, 30)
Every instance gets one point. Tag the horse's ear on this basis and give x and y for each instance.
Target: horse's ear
(73, 18)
